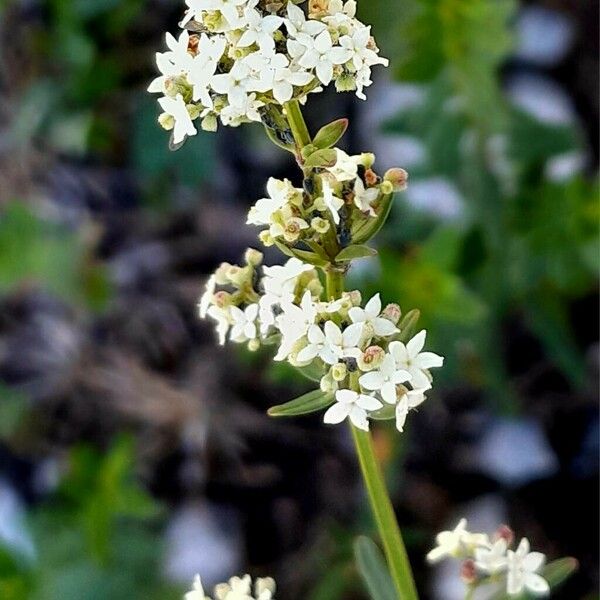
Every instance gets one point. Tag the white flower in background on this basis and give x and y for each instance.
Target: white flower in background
(258, 29)
(346, 166)
(456, 543)
(322, 55)
(410, 399)
(297, 23)
(235, 85)
(522, 571)
(332, 203)
(364, 197)
(352, 405)
(279, 193)
(385, 379)
(280, 280)
(369, 315)
(184, 127)
(207, 296)
(244, 323)
(493, 559)
(294, 323)
(197, 592)
(409, 356)
(221, 316)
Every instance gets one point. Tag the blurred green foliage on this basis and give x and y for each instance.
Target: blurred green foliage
(97, 537)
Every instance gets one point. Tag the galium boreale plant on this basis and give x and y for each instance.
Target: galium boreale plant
(238, 61)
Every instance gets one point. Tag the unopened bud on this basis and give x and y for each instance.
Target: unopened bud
(328, 384)
(354, 296)
(253, 257)
(386, 188)
(222, 299)
(253, 345)
(339, 372)
(367, 160)
(371, 178)
(398, 178)
(266, 238)
(221, 274)
(468, 572)
(392, 312)
(209, 123)
(504, 532)
(320, 225)
(371, 358)
(166, 121)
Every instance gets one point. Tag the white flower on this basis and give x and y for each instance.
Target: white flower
(174, 62)
(223, 319)
(183, 123)
(229, 9)
(385, 379)
(258, 29)
(357, 46)
(330, 344)
(298, 24)
(338, 6)
(197, 592)
(204, 65)
(411, 358)
(279, 193)
(321, 55)
(352, 405)
(493, 559)
(284, 78)
(244, 323)
(369, 315)
(333, 203)
(456, 542)
(345, 168)
(364, 197)
(248, 110)
(280, 280)
(207, 297)
(294, 323)
(235, 85)
(410, 399)
(522, 571)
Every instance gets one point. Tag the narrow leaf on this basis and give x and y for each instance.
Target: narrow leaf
(368, 229)
(354, 252)
(304, 255)
(408, 325)
(308, 403)
(314, 371)
(329, 135)
(321, 158)
(371, 566)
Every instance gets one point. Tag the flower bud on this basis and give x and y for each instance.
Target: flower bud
(266, 238)
(166, 121)
(354, 296)
(371, 178)
(398, 178)
(339, 372)
(238, 276)
(320, 225)
(223, 299)
(328, 384)
(367, 159)
(264, 584)
(209, 123)
(392, 312)
(468, 572)
(504, 532)
(371, 358)
(221, 274)
(253, 257)
(253, 345)
(345, 83)
(386, 188)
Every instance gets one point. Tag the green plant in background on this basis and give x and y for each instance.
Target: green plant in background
(97, 535)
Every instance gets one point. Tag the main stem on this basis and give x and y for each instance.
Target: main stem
(379, 498)
(381, 505)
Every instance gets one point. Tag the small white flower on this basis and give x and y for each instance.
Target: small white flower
(229, 9)
(385, 379)
(197, 592)
(357, 46)
(333, 203)
(330, 344)
(410, 399)
(364, 197)
(369, 315)
(352, 405)
(298, 24)
(207, 297)
(411, 358)
(346, 166)
(285, 78)
(258, 29)
(281, 279)
(204, 66)
(244, 323)
(493, 559)
(294, 323)
(522, 571)
(279, 193)
(321, 55)
(235, 85)
(248, 110)
(184, 125)
(456, 543)
(223, 319)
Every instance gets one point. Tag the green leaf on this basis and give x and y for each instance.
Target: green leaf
(354, 252)
(329, 135)
(303, 405)
(304, 255)
(372, 568)
(321, 158)
(314, 371)
(365, 230)
(408, 325)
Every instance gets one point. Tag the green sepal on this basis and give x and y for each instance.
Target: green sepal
(408, 325)
(304, 255)
(363, 231)
(329, 135)
(354, 252)
(321, 158)
(308, 403)
(372, 568)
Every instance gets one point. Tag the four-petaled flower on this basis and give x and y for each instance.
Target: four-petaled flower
(369, 315)
(333, 203)
(408, 400)
(523, 567)
(176, 107)
(259, 30)
(244, 323)
(352, 405)
(385, 379)
(318, 53)
(455, 542)
(294, 323)
(409, 356)
(364, 197)
(492, 559)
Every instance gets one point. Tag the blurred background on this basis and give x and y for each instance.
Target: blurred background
(134, 452)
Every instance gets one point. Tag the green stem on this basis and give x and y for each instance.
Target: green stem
(381, 505)
(297, 124)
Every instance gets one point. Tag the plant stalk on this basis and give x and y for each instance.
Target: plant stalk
(297, 124)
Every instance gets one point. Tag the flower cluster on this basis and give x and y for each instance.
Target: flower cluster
(485, 559)
(237, 588)
(235, 57)
(346, 193)
(357, 352)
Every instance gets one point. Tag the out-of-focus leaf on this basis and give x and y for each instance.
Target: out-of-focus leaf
(372, 568)
(364, 230)
(308, 403)
(355, 252)
(13, 409)
(408, 325)
(329, 135)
